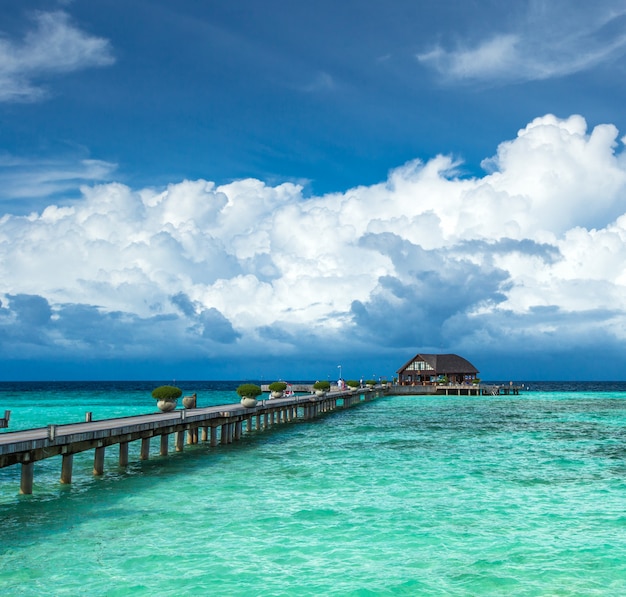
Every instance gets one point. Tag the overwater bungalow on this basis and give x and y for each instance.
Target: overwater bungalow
(431, 368)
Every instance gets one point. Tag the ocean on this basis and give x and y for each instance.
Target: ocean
(410, 495)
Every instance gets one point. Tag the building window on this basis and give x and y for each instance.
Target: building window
(419, 366)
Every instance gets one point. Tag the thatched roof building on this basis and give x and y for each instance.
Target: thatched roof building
(428, 368)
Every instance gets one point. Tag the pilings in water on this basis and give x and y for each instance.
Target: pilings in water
(213, 426)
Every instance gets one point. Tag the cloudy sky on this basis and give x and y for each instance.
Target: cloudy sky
(260, 190)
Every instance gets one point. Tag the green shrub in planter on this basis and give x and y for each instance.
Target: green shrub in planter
(277, 386)
(167, 393)
(370, 382)
(249, 389)
(352, 383)
(322, 385)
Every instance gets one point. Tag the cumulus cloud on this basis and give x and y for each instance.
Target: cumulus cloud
(551, 40)
(532, 251)
(53, 46)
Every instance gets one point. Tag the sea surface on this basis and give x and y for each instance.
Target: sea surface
(444, 496)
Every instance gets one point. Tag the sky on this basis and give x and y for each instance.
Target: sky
(292, 190)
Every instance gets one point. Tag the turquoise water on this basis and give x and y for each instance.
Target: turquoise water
(522, 495)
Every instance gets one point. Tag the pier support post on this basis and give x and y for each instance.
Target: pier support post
(26, 482)
(164, 444)
(224, 434)
(213, 437)
(124, 454)
(238, 429)
(204, 436)
(66, 468)
(144, 452)
(179, 440)
(98, 461)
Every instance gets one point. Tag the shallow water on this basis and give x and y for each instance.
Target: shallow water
(522, 495)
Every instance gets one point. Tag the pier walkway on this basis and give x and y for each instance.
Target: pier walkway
(456, 390)
(215, 424)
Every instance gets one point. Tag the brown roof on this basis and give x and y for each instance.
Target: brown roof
(443, 363)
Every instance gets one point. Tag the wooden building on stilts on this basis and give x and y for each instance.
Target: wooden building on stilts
(425, 369)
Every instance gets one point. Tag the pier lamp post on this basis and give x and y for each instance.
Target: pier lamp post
(339, 367)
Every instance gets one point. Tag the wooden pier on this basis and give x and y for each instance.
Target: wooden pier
(215, 424)
(455, 390)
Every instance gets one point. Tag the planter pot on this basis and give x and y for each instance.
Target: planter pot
(249, 402)
(276, 394)
(166, 405)
(190, 401)
(320, 392)
(354, 389)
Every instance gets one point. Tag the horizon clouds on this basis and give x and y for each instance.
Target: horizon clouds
(533, 251)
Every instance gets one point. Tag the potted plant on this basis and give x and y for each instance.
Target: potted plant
(249, 393)
(353, 384)
(383, 383)
(321, 387)
(370, 383)
(277, 388)
(190, 401)
(166, 397)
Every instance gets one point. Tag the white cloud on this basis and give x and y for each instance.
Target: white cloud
(552, 40)
(22, 178)
(248, 268)
(53, 46)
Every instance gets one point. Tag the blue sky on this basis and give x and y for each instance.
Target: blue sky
(241, 189)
